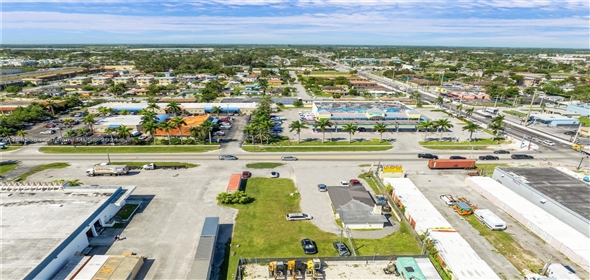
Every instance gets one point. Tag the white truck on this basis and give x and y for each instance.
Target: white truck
(110, 170)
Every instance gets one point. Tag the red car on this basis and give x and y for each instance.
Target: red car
(353, 182)
(246, 174)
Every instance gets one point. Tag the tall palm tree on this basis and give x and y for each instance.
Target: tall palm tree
(197, 132)
(167, 127)
(71, 134)
(498, 119)
(22, 133)
(147, 116)
(152, 107)
(124, 132)
(110, 130)
(297, 126)
(208, 126)
(495, 127)
(426, 125)
(439, 101)
(443, 125)
(459, 108)
(323, 124)
(264, 127)
(469, 111)
(151, 127)
(178, 122)
(102, 110)
(251, 131)
(6, 132)
(471, 127)
(380, 128)
(263, 84)
(124, 112)
(173, 108)
(89, 121)
(216, 110)
(50, 104)
(350, 128)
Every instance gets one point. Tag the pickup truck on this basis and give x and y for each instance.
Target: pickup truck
(431, 156)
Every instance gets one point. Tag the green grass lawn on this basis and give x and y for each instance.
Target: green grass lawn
(263, 165)
(507, 246)
(126, 211)
(479, 144)
(317, 146)
(261, 229)
(158, 163)
(5, 167)
(11, 148)
(126, 149)
(54, 165)
(517, 113)
(585, 121)
(488, 168)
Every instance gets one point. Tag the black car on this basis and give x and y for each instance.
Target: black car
(570, 132)
(427, 156)
(309, 246)
(521, 156)
(361, 129)
(488, 157)
(457, 157)
(501, 152)
(341, 249)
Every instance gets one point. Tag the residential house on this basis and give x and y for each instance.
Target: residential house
(341, 89)
(360, 85)
(165, 81)
(96, 81)
(356, 208)
(79, 80)
(111, 75)
(123, 80)
(251, 78)
(144, 81)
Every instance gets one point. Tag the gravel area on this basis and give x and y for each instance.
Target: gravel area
(333, 270)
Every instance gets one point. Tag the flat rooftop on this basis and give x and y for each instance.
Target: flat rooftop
(566, 190)
(120, 120)
(358, 104)
(36, 223)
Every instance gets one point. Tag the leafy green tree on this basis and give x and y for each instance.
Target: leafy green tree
(298, 103)
(351, 129)
(380, 128)
(471, 128)
(12, 89)
(237, 197)
(251, 131)
(6, 132)
(443, 125)
(178, 122)
(353, 72)
(297, 126)
(263, 84)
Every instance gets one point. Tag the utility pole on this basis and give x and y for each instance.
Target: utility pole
(580, 165)
(530, 107)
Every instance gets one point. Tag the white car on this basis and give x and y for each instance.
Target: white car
(274, 174)
(549, 143)
(344, 183)
(47, 132)
(219, 133)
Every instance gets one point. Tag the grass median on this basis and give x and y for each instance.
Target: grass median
(261, 229)
(10, 148)
(264, 165)
(54, 165)
(127, 149)
(479, 144)
(5, 167)
(318, 146)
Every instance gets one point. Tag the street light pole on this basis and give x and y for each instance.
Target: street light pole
(530, 107)
(108, 155)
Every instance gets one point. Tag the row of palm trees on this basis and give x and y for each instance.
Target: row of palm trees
(440, 125)
(322, 124)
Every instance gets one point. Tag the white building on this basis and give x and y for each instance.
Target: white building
(45, 224)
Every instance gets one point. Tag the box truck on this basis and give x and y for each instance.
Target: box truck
(451, 163)
(111, 170)
(489, 219)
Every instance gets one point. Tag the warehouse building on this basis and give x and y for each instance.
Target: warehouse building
(565, 197)
(203, 262)
(553, 119)
(189, 108)
(534, 216)
(366, 112)
(44, 225)
(125, 266)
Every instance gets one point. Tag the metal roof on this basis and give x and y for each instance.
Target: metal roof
(210, 227)
(356, 212)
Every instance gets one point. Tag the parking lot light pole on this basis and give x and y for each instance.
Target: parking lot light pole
(108, 156)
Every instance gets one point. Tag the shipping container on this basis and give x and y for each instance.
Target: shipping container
(451, 163)
(235, 183)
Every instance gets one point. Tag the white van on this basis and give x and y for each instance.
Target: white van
(448, 199)
(489, 219)
(298, 216)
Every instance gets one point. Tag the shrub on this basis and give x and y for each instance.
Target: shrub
(238, 197)
(298, 103)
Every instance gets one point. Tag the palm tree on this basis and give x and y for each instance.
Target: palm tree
(380, 128)
(350, 128)
(250, 130)
(147, 116)
(426, 125)
(150, 126)
(495, 127)
(216, 110)
(263, 84)
(208, 126)
(178, 122)
(6, 132)
(89, 121)
(498, 119)
(152, 107)
(197, 132)
(443, 125)
(124, 112)
(173, 108)
(71, 134)
(297, 126)
(167, 127)
(124, 132)
(469, 111)
(471, 127)
(50, 104)
(102, 110)
(110, 130)
(439, 101)
(459, 108)
(322, 124)
(22, 133)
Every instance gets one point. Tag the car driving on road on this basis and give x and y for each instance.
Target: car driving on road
(521, 156)
(288, 158)
(427, 156)
(501, 152)
(488, 157)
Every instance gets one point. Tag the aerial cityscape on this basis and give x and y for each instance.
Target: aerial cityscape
(271, 139)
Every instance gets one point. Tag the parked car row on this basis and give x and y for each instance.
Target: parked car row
(485, 157)
(310, 248)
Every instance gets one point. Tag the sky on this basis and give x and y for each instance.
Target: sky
(469, 23)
